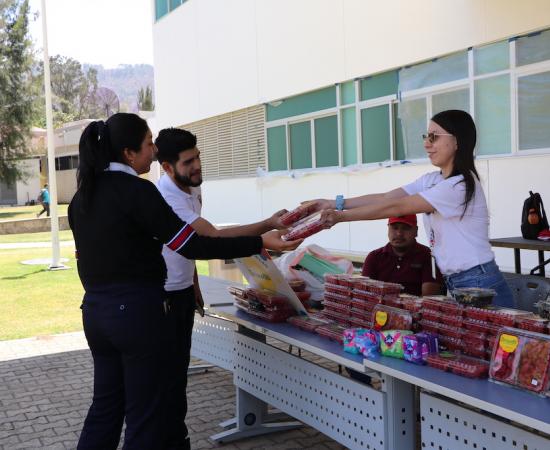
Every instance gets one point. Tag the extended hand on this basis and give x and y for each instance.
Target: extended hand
(272, 240)
(275, 220)
(318, 205)
(330, 217)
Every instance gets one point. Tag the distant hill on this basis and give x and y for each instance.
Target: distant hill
(125, 80)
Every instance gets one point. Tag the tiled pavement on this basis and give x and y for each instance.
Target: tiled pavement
(45, 390)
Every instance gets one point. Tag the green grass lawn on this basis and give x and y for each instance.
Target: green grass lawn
(46, 236)
(35, 301)
(27, 212)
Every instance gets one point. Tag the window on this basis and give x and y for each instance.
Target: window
(533, 48)
(533, 111)
(276, 143)
(375, 133)
(349, 137)
(326, 141)
(300, 145)
(301, 104)
(163, 7)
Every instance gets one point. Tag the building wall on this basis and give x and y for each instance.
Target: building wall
(29, 188)
(213, 57)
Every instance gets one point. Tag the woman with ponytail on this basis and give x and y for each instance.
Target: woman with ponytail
(453, 202)
(120, 223)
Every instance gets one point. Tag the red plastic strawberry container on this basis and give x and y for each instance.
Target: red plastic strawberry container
(366, 296)
(332, 278)
(441, 360)
(412, 303)
(429, 326)
(475, 337)
(356, 322)
(506, 316)
(447, 330)
(474, 348)
(450, 343)
(237, 292)
(332, 331)
(362, 304)
(337, 289)
(305, 228)
(472, 312)
(351, 281)
(393, 301)
(341, 319)
(337, 307)
(361, 314)
(532, 323)
(272, 316)
(337, 298)
(267, 298)
(452, 320)
(379, 287)
(482, 326)
(469, 367)
(431, 315)
(295, 215)
(307, 323)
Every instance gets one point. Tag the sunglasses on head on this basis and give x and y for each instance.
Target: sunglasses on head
(432, 137)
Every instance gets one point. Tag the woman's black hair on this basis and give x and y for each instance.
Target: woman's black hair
(104, 142)
(461, 125)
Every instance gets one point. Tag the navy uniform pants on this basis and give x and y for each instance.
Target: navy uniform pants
(182, 312)
(130, 337)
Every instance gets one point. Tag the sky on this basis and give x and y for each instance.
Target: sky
(106, 32)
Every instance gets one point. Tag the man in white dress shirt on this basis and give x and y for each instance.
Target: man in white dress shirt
(180, 186)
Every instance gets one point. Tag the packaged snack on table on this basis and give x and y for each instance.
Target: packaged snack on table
(369, 343)
(297, 285)
(441, 360)
(469, 367)
(237, 292)
(472, 296)
(350, 336)
(506, 355)
(304, 228)
(431, 315)
(332, 331)
(337, 298)
(532, 323)
(267, 298)
(337, 289)
(296, 214)
(337, 307)
(481, 326)
(452, 320)
(379, 287)
(416, 348)
(391, 342)
(388, 318)
(307, 323)
(429, 326)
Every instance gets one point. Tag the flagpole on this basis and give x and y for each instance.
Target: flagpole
(52, 179)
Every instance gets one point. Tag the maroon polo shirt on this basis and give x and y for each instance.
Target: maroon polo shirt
(411, 270)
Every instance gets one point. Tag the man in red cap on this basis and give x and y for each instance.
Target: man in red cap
(403, 260)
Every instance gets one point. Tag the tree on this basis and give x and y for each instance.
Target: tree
(71, 89)
(15, 87)
(145, 99)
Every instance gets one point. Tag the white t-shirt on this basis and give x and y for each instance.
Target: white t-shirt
(180, 270)
(457, 243)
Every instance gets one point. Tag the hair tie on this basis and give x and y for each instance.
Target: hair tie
(100, 129)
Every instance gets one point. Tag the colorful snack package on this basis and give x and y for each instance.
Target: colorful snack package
(350, 335)
(391, 342)
(369, 343)
(417, 347)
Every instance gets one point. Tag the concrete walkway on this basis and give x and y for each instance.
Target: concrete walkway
(46, 389)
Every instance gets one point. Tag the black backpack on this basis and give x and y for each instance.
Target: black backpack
(533, 217)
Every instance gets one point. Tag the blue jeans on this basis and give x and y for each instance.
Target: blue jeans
(485, 275)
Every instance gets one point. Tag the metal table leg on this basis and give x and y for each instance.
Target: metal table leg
(399, 412)
(517, 260)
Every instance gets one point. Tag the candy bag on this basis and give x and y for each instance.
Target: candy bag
(391, 342)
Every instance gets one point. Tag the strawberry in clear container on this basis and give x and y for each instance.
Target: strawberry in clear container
(296, 214)
(305, 228)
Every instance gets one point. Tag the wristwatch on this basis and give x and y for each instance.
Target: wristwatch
(340, 202)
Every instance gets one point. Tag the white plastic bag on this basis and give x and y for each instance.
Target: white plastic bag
(287, 262)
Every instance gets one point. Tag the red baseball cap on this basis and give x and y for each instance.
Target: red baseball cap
(409, 220)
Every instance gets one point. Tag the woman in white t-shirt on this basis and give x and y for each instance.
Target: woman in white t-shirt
(453, 202)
